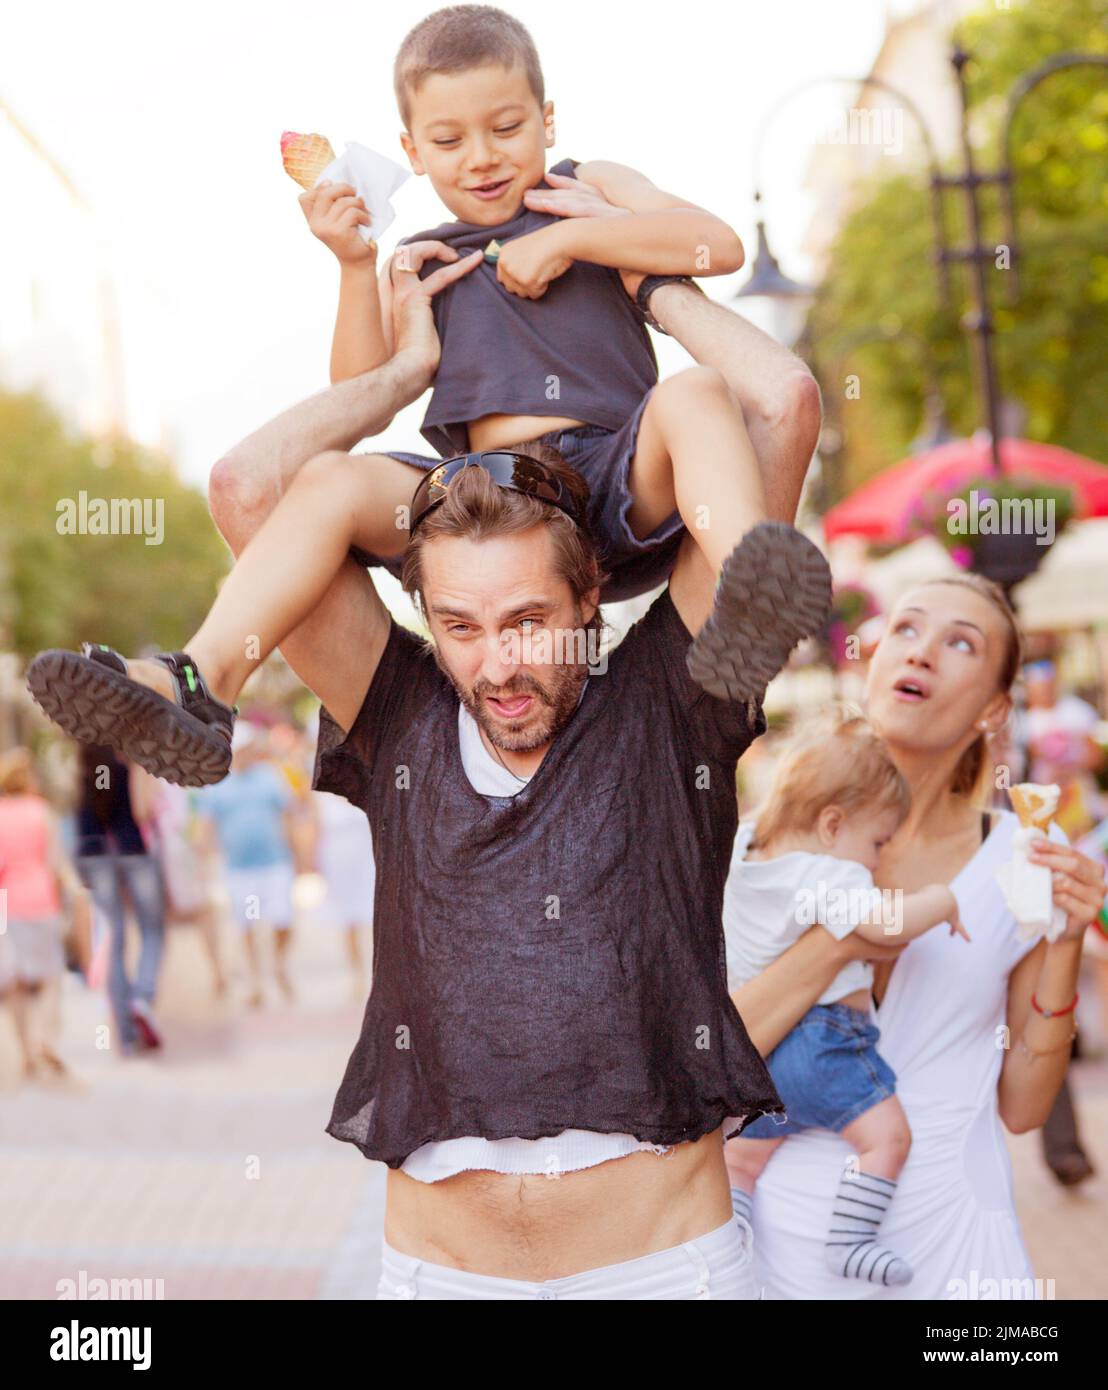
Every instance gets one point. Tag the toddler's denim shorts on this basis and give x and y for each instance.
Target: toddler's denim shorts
(603, 458)
(827, 1072)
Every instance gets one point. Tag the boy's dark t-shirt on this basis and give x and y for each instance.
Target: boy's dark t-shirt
(555, 959)
(580, 351)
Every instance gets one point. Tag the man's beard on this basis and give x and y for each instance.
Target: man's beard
(555, 701)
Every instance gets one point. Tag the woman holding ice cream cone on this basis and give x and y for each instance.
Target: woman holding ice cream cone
(977, 1036)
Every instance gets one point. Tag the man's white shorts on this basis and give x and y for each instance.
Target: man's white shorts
(717, 1265)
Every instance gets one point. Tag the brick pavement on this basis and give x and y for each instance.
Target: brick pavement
(205, 1166)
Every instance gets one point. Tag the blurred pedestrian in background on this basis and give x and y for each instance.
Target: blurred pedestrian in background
(34, 870)
(344, 857)
(251, 814)
(1057, 731)
(113, 800)
(190, 880)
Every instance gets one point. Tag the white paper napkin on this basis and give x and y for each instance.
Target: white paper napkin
(1028, 890)
(374, 177)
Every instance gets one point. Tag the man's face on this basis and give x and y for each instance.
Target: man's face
(480, 137)
(495, 608)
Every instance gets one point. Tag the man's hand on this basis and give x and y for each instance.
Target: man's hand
(413, 324)
(528, 264)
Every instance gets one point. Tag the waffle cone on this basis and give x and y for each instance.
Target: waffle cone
(1034, 803)
(305, 156)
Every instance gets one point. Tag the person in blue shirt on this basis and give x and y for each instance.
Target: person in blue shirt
(250, 814)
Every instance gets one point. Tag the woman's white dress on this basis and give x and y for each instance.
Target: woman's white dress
(943, 1032)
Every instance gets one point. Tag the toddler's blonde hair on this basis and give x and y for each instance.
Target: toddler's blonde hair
(833, 759)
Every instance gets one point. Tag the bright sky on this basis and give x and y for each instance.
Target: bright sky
(167, 118)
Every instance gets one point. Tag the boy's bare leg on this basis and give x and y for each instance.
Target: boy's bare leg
(349, 622)
(774, 588)
(694, 453)
(335, 500)
(246, 486)
(778, 394)
(248, 482)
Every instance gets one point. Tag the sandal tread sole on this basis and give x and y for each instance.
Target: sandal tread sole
(775, 590)
(97, 705)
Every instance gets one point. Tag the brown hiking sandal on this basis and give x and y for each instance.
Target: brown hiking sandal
(91, 696)
(774, 590)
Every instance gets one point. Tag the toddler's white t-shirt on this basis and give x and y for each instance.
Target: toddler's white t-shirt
(768, 904)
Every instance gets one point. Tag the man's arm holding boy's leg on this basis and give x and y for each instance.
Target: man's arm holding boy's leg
(778, 394)
(335, 650)
(247, 483)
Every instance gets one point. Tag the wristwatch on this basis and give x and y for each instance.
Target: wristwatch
(647, 288)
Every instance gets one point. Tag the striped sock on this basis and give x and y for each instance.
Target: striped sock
(742, 1204)
(851, 1248)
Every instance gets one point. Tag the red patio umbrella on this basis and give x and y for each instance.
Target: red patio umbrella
(882, 508)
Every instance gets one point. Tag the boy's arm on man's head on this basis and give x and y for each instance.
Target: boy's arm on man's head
(663, 235)
(627, 188)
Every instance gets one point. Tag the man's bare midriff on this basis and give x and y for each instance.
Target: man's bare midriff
(498, 431)
(538, 1227)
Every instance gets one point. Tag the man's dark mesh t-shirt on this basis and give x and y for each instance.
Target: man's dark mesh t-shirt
(555, 959)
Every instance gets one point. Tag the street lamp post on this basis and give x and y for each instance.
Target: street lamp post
(979, 322)
(788, 298)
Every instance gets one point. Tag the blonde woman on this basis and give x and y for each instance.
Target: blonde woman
(978, 1036)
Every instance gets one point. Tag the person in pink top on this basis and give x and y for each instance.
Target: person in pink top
(33, 870)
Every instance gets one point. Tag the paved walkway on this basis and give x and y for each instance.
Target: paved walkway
(208, 1167)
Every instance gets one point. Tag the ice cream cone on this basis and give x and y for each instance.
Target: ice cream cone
(305, 156)
(1034, 803)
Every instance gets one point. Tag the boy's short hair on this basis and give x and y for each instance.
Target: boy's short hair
(834, 759)
(458, 38)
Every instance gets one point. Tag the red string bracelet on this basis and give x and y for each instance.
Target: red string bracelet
(1054, 1013)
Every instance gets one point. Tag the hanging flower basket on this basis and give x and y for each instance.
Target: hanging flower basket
(851, 606)
(998, 527)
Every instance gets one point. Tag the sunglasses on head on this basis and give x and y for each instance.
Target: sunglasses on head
(514, 471)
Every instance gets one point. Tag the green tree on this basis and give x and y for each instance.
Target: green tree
(57, 590)
(1052, 346)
